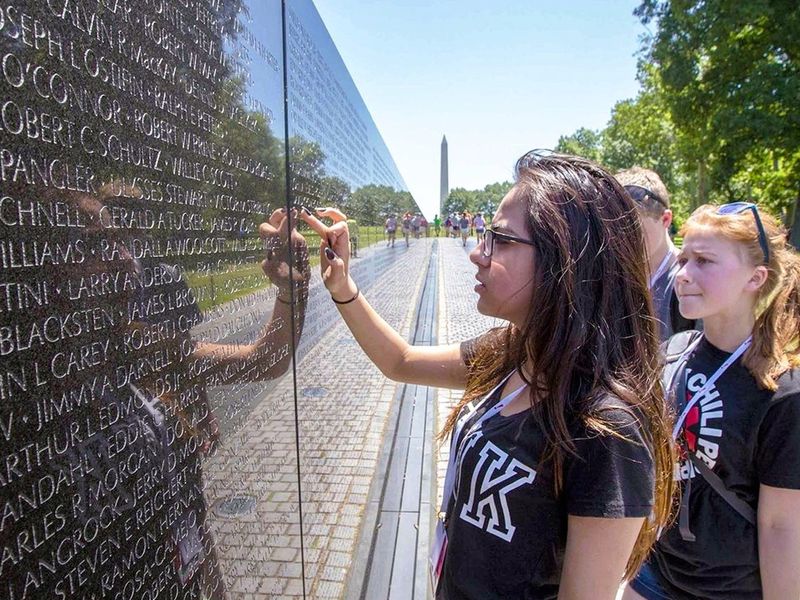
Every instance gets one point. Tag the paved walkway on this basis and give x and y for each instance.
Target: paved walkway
(348, 416)
(342, 407)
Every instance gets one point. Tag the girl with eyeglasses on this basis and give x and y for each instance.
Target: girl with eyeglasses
(560, 467)
(736, 393)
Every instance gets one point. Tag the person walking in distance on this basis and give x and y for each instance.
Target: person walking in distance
(407, 227)
(391, 230)
(480, 226)
(455, 229)
(560, 467)
(463, 225)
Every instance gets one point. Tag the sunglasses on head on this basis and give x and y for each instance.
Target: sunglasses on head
(640, 194)
(734, 208)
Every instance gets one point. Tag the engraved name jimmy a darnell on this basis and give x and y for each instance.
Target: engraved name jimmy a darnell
(135, 166)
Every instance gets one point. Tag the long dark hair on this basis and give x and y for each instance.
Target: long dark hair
(590, 330)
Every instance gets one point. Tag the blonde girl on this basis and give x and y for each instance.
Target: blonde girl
(736, 390)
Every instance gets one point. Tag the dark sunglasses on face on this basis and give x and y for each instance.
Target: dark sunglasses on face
(640, 194)
(734, 208)
(491, 235)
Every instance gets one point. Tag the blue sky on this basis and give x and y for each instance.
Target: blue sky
(498, 78)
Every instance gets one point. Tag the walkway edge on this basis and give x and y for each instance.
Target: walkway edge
(362, 560)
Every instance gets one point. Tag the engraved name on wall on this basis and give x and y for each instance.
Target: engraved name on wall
(137, 165)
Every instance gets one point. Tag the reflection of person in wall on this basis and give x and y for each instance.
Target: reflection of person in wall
(391, 230)
(560, 467)
(407, 227)
(104, 497)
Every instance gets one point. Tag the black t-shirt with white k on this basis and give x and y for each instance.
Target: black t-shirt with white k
(506, 528)
(747, 436)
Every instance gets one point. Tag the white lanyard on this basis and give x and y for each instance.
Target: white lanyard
(455, 452)
(709, 382)
(660, 270)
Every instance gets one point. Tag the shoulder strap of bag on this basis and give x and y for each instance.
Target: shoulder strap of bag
(736, 503)
(678, 343)
(674, 349)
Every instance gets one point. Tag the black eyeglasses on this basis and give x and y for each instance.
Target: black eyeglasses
(491, 235)
(640, 194)
(734, 208)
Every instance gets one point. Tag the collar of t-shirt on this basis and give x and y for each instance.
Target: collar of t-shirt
(666, 263)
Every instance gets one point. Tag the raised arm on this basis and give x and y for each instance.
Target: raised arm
(440, 366)
(269, 356)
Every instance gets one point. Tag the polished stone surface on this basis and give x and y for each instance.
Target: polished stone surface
(179, 417)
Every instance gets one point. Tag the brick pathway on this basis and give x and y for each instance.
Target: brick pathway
(342, 405)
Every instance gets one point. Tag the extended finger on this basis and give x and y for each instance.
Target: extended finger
(283, 228)
(336, 231)
(279, 230)
(332, 213)
(318, 226)
(277, 215)
(323, 259)
(273, 224)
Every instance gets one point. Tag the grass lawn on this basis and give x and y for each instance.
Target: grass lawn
(240, 280)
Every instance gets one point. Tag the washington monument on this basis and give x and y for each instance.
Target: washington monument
(444, 186)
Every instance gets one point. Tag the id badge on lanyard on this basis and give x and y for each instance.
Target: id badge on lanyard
(438, 551)
(439, 548)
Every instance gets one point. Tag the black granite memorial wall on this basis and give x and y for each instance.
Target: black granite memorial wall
(157, 439)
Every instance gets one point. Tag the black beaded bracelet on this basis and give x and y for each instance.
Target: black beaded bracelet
(347, 301)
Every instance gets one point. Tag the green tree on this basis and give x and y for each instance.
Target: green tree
(488, 199)
(584, 142)
(640, 132)
(372, 203)
(459, 200)
(336, 192)
(732, 84)
(306, 159)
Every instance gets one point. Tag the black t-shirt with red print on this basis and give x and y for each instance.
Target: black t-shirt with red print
(748, 436)
(507, 529)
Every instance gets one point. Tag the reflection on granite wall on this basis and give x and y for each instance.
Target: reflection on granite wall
(154, 290)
